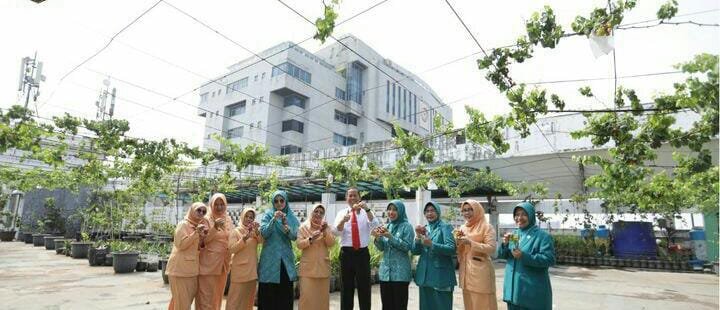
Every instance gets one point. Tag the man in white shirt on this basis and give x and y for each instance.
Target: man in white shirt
(353, 224)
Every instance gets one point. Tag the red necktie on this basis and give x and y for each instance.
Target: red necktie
(355, 231)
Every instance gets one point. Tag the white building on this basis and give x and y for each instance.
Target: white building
(298, 101)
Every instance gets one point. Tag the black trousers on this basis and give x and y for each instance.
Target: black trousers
(394, 295)
(273, 296)
(355, 272)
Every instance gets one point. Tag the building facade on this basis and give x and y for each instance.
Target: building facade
(297, 101)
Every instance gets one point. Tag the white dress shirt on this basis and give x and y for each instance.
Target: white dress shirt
(364, 227)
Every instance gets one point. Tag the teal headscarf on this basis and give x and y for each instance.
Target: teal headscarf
(530, 209)
(289, 215)
(434, 224)
(402, 216)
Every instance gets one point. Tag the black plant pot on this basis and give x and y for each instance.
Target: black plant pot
(96, 256)
(27, 237)
(50, 242)
(59, 246)
(39, 239)
(7, 235)
(141, 266)
(80, 249)
(163, 266)
(125, 262)
(108, 260)
(152, 267)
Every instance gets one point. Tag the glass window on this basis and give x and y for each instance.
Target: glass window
(387, 97)
(203, 97)
(393, 100)
(294, 100)
(293, 125)
(354, 82)
(405, 104)
(293, 71)
(235, 109)
(415, 108)
(234, 132)
(290, 149)
(339, 93)
(237, 85)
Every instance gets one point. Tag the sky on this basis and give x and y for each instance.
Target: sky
(166, 55)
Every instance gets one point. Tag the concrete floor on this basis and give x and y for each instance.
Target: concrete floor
(35, 278)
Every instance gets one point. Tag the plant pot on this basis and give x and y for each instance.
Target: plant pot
(96, 256)
(39, 239)
(152, 267)
(163, 265)
(644, 263)
(332, 284)
(50, 242)
(7, 235)
(141, 264)
(108, 260)
(27, 237)
(125, 262)
(80, 249)
(59, 246)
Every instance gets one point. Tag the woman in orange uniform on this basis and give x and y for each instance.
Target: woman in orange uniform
(183, 264)
(214, 258)
(314, 239)
(475, 243)
(244, 241)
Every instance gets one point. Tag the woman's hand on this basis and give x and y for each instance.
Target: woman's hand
(506, 238)
(517, 253)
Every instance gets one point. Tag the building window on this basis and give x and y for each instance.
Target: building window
(405, 106)
(387, 97)
(343, 140)
(393, 100)
(235, 109)
(237, 85)
(339, 93)
(416, 110)
(292, 70)
(290, 149)
(256, 78)
(234, 132)
(203, 97)
(346, 118)
(293, 125)
(399, 101)
(254, 101)
(261, 99)
(354, 82)
(262, 76)
(295, 100)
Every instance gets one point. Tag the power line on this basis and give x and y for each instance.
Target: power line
(110, 41)
(361, 56)
(509, 80)
(274, 66)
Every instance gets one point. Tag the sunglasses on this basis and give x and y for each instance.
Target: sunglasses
(201, 211)
(279, 200)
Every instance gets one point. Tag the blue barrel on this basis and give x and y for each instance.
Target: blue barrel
(602, 232)
(697, 234)
(635, 240)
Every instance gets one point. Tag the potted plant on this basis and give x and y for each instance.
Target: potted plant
(68, 247)
(125, 258)
(79, 249)
(38, 238)
(7, 233)
(97, 252)
(60, 246)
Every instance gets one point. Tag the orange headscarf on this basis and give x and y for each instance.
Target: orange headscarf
(192, 217)
(213, 214)
(477, 227)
